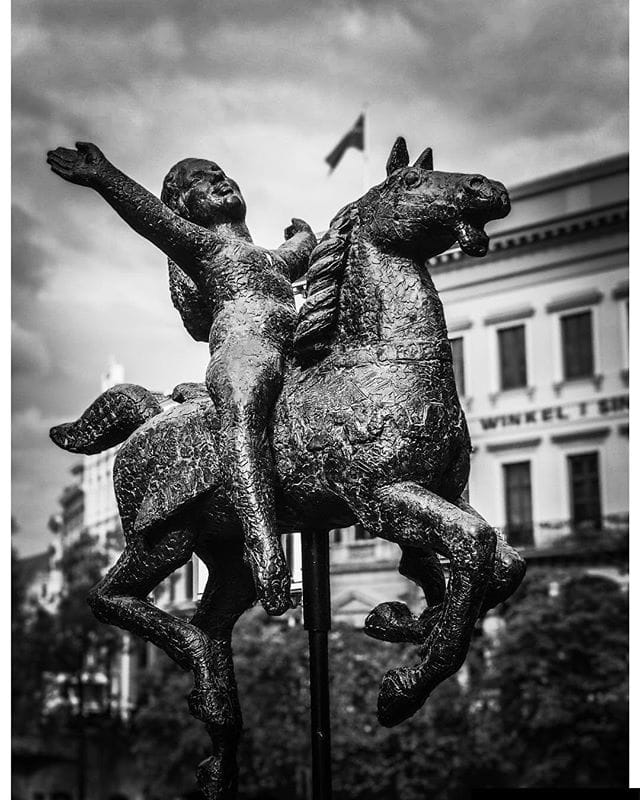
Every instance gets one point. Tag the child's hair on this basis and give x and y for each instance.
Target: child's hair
(172, 189)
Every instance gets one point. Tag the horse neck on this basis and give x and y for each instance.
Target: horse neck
(386, 297)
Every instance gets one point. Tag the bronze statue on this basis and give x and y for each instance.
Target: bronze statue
(367, 428)
(242, 292)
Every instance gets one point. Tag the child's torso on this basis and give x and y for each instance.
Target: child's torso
(249, 293)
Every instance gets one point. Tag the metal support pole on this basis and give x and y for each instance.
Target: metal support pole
(316, 604)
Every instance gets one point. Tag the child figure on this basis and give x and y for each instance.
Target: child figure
(246, 290)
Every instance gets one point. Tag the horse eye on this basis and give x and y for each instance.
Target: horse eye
(412, 178)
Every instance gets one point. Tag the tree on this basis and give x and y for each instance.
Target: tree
(80, 647)
(30, 626)
(272, 671)
(549, 708)
(563, 667)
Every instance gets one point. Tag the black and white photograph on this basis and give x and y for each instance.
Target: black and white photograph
(320, 382)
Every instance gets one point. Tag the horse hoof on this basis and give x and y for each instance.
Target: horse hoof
(218, 776)
(400, 696)
(391, 622)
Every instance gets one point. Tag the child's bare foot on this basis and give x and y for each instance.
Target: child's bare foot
(272, 579)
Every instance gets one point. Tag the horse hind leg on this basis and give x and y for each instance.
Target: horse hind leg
(408, 514)
(121, 599)
(508, 571)
(229, 592)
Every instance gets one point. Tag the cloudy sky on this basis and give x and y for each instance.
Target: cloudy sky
(511, 88)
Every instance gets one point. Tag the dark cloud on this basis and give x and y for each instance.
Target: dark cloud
(548, 65)
(28, 353)
(28, 103)
(513, 89)
(28, 258)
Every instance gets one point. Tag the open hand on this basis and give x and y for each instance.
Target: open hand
(297, 226)
(79, 166)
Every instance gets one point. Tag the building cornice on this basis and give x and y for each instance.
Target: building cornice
(570, 177)
(595, 222)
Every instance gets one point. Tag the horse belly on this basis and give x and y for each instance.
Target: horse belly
(368, 426)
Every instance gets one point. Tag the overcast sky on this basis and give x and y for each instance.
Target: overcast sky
(511, 88)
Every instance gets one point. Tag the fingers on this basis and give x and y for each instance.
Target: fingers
(62, 161)
(63, 155)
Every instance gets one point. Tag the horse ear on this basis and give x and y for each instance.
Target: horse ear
(399, 156)
(425, 159)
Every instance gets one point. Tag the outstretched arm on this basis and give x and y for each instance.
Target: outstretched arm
(181, 240)
(296, 250)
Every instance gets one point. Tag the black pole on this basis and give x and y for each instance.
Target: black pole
(316, 604)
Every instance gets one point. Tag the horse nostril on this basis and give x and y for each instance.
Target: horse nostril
(475, 183)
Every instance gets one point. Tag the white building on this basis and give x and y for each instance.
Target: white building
(540, 333)
(100, 508)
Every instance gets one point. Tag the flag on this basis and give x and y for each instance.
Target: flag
(354, 138)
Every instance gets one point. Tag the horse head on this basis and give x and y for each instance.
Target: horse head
(424, 212)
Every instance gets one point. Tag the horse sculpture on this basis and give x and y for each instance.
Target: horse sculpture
(368, 429)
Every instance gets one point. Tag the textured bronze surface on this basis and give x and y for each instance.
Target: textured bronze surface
(358, 403)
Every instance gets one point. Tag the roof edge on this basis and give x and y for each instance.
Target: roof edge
(569, 177)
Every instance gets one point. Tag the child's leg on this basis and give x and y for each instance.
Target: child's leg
(244, 379)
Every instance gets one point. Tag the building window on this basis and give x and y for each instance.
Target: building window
(584, 477)
(577, 345)
(360, 534)
(337, 536)
(517, 489)
(513, 359)
(457, 353)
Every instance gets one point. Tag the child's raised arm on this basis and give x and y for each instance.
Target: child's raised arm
(181, 240)
(296, 250)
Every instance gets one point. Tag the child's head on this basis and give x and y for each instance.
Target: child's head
(198, 190)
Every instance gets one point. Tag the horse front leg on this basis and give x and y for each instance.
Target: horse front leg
(410, 515)
(394, 621)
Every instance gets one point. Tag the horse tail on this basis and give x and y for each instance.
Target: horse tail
(108, 421)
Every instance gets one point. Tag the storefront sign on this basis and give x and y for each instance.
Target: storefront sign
(562, 413)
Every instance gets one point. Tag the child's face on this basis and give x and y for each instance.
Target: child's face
(209, 194)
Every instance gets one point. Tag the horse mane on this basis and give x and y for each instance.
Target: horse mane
(317, 317)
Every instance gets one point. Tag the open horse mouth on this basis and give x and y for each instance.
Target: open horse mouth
(472, 239)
